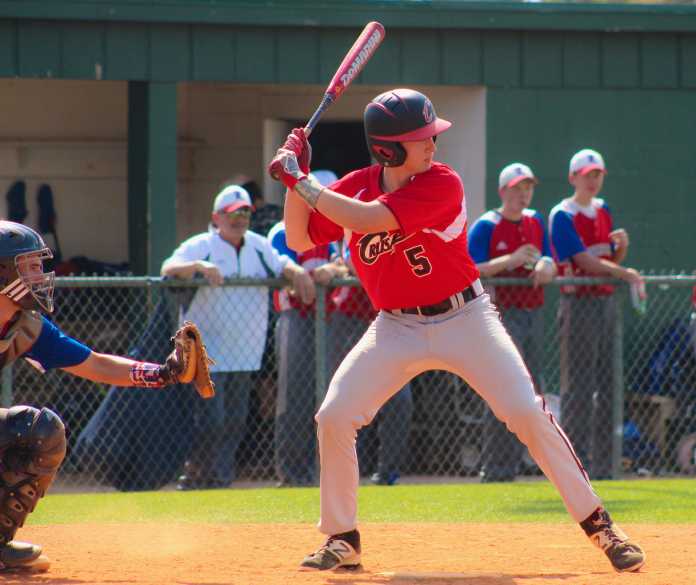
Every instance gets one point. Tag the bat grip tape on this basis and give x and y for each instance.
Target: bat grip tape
(323, 106)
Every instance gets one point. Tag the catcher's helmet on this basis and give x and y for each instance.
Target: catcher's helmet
(22, 279)
(396, 116)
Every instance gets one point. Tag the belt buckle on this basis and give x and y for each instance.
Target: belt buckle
(456, 301)
(468, 294)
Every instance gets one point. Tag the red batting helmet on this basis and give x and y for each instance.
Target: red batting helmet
(399, 115)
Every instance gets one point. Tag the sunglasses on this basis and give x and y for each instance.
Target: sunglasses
(243, 212)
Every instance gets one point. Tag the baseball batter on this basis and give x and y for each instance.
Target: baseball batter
(32, 441)
(405, 221)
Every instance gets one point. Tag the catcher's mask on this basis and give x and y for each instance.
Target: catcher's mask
(396, 116)
(22, 278)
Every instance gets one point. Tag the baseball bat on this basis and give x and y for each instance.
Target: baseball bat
(353, 63)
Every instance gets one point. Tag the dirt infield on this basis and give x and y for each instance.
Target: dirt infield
(394, 554)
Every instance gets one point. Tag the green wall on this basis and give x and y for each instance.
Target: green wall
(264, 54)
(432, 14)
(648, 140)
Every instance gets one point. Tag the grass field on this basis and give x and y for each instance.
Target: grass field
(639, 501)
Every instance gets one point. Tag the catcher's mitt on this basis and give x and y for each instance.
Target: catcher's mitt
(189, 360)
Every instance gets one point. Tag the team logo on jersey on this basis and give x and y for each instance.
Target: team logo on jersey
(372, 246)
(428, 112)
(501, 246)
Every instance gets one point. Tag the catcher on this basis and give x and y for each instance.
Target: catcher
(32, 441)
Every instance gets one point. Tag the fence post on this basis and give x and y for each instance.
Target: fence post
(618, 391)
(320, 345)
(6, 387)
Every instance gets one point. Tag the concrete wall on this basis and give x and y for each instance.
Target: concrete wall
(71, 135)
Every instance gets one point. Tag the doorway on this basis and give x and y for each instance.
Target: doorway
(340, 147)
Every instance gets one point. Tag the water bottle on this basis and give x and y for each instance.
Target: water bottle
(531, 265)
(639, 298)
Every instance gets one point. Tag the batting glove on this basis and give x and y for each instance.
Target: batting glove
(285, 168)
(297, 142)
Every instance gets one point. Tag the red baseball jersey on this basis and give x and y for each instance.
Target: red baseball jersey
(493, 236)
(423, 262)
(577, 229)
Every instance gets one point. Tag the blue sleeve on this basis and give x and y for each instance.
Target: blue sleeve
(565, 238)
(545, 245)
(480, 241)
(279, 242)
(54, 349)
(611, 216)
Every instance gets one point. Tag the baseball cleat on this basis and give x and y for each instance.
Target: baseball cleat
(625, 556)
(23, 556)
(391, 478)
(341, 551)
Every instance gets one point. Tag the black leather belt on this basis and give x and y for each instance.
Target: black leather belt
(454, 302)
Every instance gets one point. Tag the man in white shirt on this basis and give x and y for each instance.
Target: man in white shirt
(233, 321)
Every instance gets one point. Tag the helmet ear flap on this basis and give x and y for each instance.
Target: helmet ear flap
(388, 154)
(8, 272)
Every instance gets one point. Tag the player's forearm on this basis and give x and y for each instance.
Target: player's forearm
(292, 270)
(105, 369)
(296, 216)
(619, 255)
(184, 270)
(597, 266)
(123, 371)
(358, 216)
(494, 266)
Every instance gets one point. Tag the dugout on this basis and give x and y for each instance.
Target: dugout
(135, 110)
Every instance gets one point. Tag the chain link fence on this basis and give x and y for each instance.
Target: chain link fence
(621, 381)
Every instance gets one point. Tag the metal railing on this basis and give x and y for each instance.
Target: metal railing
(140, 439)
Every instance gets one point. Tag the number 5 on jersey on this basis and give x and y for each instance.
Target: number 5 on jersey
(418, 260)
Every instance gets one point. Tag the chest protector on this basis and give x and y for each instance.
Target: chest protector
(20, 336)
